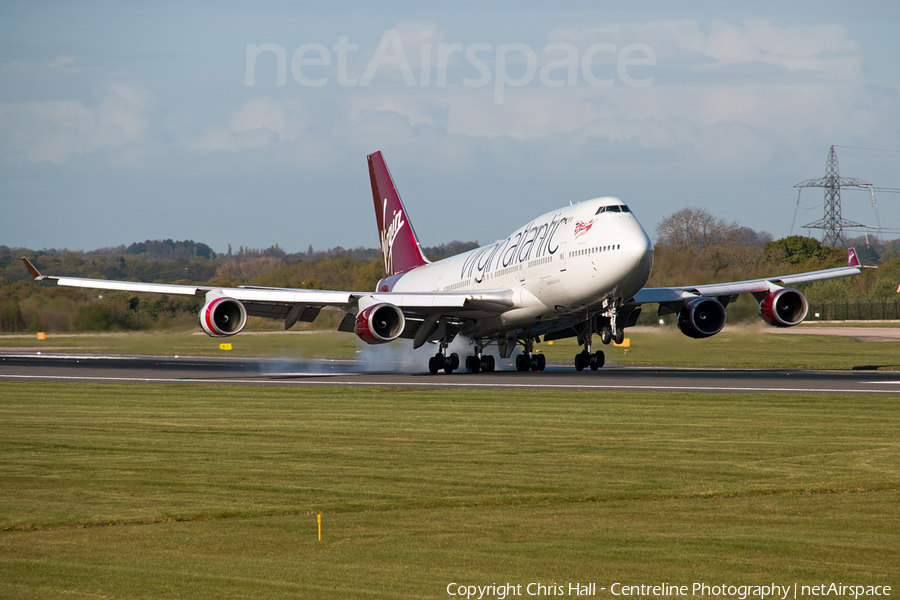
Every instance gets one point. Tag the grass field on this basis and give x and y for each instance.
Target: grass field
(152, 491)
(740, 347)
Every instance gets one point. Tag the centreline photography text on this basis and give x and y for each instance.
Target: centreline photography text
(501, 591)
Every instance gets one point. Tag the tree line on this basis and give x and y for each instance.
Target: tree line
(29, 306)
(693, 247)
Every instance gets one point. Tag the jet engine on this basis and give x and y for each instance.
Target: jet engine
(380, 323)
(783, 308)
(702, 318)
(223, 316)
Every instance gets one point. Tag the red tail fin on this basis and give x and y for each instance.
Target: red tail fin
(399, 244)
(852, 258)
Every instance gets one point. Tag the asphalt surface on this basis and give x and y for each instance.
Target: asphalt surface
(74, 368)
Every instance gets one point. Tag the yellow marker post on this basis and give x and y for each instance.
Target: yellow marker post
(320, 528)
(626, 344)
(225, 346)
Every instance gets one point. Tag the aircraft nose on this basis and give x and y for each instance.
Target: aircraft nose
(639, 254)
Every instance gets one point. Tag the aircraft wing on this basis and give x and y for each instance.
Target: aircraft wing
(278, 302)
(674, 297)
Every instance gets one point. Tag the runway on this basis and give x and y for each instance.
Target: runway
(75, 368)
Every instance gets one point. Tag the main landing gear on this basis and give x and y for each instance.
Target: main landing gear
(529, 360)
(480, 361)
(441, 360)
(586, 358)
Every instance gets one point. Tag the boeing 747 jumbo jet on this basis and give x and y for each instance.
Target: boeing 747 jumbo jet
(572, 272)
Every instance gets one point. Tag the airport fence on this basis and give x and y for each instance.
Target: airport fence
(861, 309)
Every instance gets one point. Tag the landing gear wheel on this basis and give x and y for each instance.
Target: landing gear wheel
(451, 363)
(605, 335)
(538, 362)
(487, 364)
(620, 336)
(523, 362)
(436, 363)
(597, 360)
(473, 363)
(582, 360)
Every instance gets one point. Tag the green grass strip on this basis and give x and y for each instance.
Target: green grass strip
(163, 491)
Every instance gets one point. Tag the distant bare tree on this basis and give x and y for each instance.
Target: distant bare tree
(697, 235)
(695, 228)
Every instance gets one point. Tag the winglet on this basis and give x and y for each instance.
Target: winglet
(32, 269)
(852, 259)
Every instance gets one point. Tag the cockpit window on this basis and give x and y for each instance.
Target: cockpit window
(614, 208)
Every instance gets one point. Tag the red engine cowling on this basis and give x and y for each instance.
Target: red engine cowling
(702, 318)
(223, 316)
(783, 308)
(380, 323)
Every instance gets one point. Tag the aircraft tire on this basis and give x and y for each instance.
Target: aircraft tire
(435, 363)
(451, 363)
(579, 362)
(488, 364)
(522, 362)
(620, 336)
(605, 335)
(599, 359)
(473, 364)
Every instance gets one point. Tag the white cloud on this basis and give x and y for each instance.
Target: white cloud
(258, 123)
(56, 130)
(820, 48)
(815, 48)
(66, 64)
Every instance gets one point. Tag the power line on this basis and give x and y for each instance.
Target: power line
(872, 149)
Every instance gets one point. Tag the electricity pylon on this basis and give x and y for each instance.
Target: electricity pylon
(832, 223)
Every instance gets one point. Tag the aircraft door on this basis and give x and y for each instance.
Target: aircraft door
(562, 256)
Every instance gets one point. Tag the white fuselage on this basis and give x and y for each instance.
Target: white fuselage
(562, 267)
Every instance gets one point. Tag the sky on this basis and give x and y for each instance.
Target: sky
(248, 123)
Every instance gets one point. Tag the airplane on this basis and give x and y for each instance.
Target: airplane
(577, 271)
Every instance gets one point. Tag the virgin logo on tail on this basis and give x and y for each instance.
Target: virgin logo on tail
(399, 246)
(389, 234)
